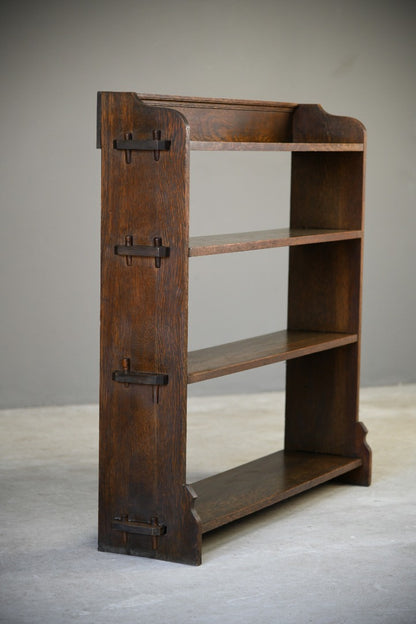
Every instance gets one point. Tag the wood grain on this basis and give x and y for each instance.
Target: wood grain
(210, 103)
(327, 190)
(265, 239)
(250, 353)
(257, 146)
(142, 462)
(312, 123)
(212, 119)
(144, 315)
(246, 489)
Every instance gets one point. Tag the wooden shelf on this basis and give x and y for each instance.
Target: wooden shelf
(250, 353)
(257, 146)
(240, 491)
(265, 239)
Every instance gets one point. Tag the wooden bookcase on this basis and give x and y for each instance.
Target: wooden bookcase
(145, 506)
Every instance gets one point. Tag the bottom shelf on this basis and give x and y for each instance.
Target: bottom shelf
(240, 491)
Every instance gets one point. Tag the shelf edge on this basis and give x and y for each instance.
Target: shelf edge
(267, 239)
(254, 474)
(258, 146)
(210, 370)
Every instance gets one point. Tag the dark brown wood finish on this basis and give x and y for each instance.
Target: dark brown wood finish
(311, 123)
(241, 355)
(322, 390)
(323, 294)
(240, 491)
(145, 507)
(144, 319)
(265, 239)
(215, 120)
(258, 146)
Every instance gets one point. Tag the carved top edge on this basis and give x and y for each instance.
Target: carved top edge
(311, 123)
(198, 102)
(261, 121)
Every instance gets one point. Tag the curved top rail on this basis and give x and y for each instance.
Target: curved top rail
(225, 120)
(198, 102)
(254, 124)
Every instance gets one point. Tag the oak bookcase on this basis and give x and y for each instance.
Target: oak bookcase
(145, 505)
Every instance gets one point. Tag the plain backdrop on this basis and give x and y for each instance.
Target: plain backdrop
(356, 58)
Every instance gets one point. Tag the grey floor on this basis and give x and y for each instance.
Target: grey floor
(337, 554)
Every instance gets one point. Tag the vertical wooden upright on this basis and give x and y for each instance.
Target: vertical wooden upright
(143, 501)
(327, 191)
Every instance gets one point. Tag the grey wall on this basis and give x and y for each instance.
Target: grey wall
(356, 58)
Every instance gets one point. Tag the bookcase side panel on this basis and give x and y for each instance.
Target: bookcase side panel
(321, 402)
(327, 190)
(311, 123)
(325, 289)
(144, 300)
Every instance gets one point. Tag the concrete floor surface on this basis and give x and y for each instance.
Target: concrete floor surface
(337, 554)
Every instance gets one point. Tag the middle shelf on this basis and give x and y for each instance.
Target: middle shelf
(241, 355)
(265, 239)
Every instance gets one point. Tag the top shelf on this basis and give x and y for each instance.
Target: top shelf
(257, 146)
(237, 125)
